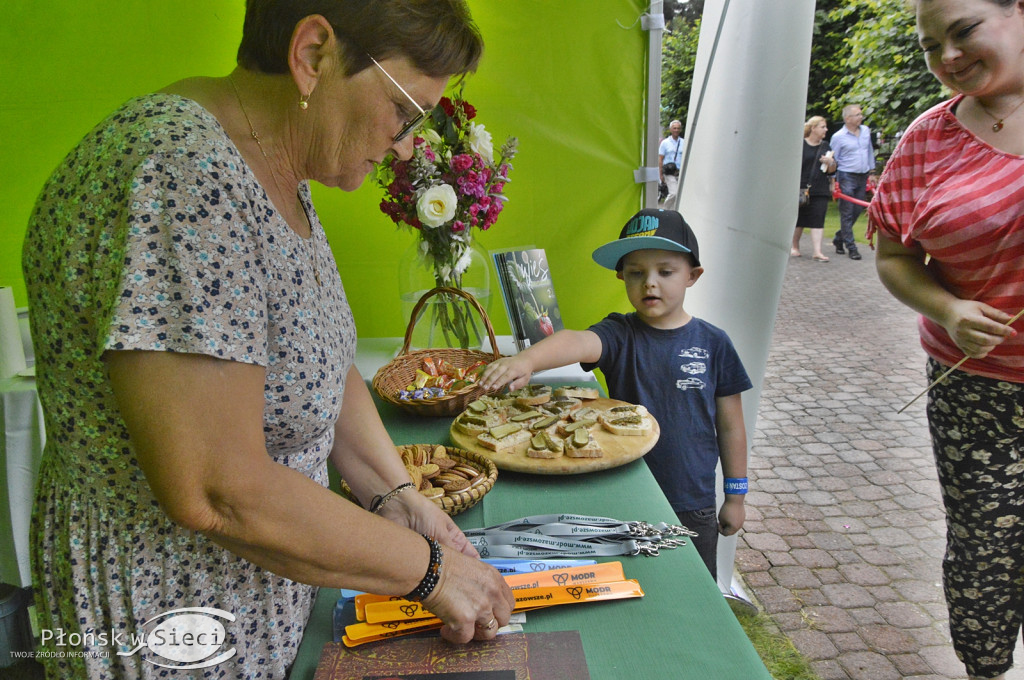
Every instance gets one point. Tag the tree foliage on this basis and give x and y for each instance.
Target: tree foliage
(862, 52)
(882, 66)
(678, 56)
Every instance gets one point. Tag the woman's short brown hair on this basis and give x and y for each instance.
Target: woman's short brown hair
(438, 36)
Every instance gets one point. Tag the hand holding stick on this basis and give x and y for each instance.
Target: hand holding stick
(952, 368)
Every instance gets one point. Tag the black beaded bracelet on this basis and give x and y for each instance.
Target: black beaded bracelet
(433, 574)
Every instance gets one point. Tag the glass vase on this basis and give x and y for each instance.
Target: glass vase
(446, 320)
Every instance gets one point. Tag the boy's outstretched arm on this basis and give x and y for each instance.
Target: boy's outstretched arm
(563, 348)
(732, 448)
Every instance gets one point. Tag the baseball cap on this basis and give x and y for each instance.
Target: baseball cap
(651, 228)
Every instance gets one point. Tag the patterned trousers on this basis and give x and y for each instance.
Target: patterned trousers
(977, 429)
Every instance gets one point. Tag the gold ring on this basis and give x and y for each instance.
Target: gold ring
(493, 622)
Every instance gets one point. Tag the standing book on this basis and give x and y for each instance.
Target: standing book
(529, 294)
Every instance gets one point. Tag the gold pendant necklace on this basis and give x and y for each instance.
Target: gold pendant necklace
(273, 175)
(998, 124)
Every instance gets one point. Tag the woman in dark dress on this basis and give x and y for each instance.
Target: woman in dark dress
(816, 154)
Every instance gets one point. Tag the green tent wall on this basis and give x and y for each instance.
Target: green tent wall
(566, 78)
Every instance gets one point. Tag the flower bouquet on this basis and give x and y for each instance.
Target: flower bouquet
(452, 184)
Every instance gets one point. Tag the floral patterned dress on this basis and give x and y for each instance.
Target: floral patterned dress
(153, 234)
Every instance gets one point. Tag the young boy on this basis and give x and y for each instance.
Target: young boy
(684, 370)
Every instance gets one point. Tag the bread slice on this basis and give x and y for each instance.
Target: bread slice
(544, 445)
(475, 423)
(581, 444)
(577, 392)
(532, 395)
(561, 406)
(628, 421)
(491, 401)
(547, 423)
(504, 437)
(566, 428)
(584, 413)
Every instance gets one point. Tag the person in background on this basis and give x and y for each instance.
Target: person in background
(195, 352)
(816, 167)
(685, 371)
(948, 213)
(670, 162)
(855, 161)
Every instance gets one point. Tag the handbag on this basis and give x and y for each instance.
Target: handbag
(671, 169)
(805, 189)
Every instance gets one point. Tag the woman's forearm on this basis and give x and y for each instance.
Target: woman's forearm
(199, 441)
(363, 452)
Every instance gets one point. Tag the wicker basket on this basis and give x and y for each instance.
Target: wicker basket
(456, 502)
(395, 375)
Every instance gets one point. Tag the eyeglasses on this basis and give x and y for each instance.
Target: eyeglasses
(418, 120)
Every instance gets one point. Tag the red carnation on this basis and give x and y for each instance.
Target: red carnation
(447, 105)
(469, 110)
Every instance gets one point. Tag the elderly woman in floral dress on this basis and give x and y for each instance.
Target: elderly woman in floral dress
(195, 353)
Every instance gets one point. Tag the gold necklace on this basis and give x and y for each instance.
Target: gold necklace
(273, 175)
(998, 124)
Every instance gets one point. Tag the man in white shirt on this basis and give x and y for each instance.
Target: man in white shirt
(670, 161)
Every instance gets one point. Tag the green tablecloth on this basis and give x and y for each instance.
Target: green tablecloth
(682, 628)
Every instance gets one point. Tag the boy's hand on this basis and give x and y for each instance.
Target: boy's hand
(512, 371)
(732, 514)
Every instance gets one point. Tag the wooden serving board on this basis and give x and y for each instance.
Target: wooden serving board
(618, 449)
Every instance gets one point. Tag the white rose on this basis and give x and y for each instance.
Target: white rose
(437, 205)
(480, 142)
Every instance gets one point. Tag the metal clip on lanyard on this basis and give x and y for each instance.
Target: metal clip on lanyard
(539, 536)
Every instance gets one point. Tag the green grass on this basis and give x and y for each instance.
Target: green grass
(779, 655)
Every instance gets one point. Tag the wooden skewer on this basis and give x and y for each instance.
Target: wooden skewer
(952, 368)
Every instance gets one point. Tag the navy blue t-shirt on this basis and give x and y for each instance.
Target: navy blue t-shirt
(677, 374)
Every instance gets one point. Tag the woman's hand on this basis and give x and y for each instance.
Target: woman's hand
(976, 328)
(415, 511)
(513, 371)
(471, 598)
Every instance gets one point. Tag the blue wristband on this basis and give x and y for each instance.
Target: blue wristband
(735, 485)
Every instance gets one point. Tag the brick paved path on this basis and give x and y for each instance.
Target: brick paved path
(844, 533)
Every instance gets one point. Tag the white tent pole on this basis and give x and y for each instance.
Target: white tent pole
(742, 171)
(654, 23)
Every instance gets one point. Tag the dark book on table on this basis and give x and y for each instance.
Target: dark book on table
(529, 294)
(514, 656)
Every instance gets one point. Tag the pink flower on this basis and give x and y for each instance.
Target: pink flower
(428, 153)
(462, 162)
(458, 225)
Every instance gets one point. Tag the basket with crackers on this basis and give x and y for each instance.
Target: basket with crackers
(455, 479)
(435, 381)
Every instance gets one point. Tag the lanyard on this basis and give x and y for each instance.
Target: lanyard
(575, 536)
